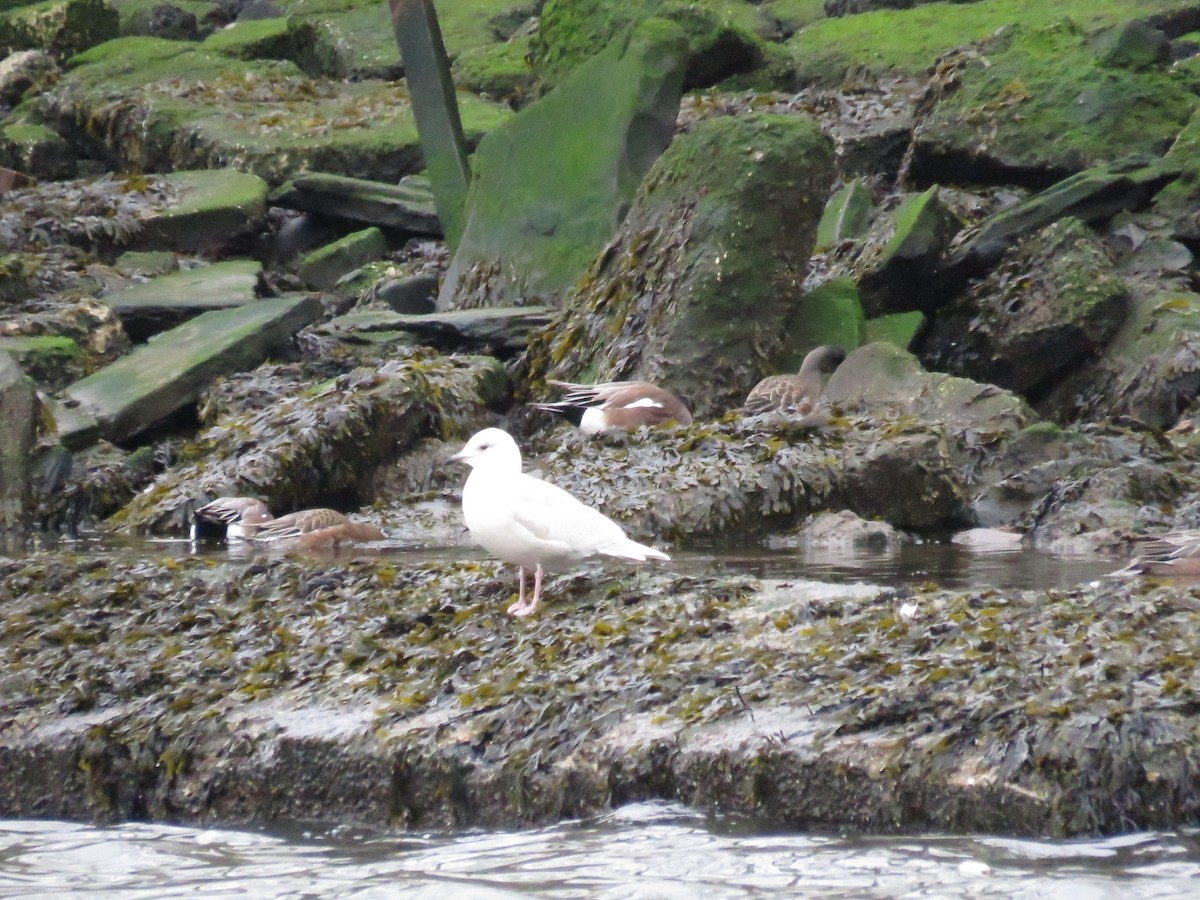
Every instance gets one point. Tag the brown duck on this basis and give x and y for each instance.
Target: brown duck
(795, 394)
(311, 528)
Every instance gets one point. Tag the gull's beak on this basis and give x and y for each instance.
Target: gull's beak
(456, 458)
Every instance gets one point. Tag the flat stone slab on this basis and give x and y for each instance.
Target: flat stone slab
(400, 206)
(505, 329)
(169, 300)
(171, 369)
(213, 205)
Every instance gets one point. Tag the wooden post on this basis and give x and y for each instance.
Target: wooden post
(435, 107)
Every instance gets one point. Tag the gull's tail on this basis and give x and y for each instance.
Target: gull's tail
(629, 549)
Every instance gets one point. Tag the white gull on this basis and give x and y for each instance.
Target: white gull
(529, 522)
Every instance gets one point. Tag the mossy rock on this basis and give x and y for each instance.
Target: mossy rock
(898, 261)
(161, 303)
(828, 314)
(1054, 301)
(908, 42)
(208, 209)
(170, 371)
(61, 27)
(52, 362)
(324, 267)
(360, 31)
(847, 215)
(1148, 372)
(149, 104)
(900, 329)
(551, 186)
(499, 71)
(695, 290)
(1039, 104)
(36, 150)
(720, 35)
(291, 39)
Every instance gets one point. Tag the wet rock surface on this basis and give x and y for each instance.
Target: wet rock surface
(388, 695)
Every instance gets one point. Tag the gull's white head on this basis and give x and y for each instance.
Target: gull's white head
(491, 448)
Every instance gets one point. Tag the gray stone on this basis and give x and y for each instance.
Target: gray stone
(406, 208)
(164, 302)
(163, 21)
(505, 329)
(171, 370)
(413, 295)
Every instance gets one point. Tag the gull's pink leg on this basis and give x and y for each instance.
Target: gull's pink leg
(516, 608)
(537, 595)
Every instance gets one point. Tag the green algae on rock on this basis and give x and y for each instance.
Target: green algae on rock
(153, 104)
(551, 185)
(1038, 105)
(721, 36)
(170, 371)
(694, 290)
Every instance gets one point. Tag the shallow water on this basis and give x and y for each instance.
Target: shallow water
(641, 851)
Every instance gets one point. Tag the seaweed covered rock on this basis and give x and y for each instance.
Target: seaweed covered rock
(320, 440)
(1054, 301)
(1025, 83)
(694, 291)
(551, 185)
(401, 696)
(126, 102)
(1150, 370)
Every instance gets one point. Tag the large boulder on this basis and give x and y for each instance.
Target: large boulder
(552, 185)
(695, 290)
(885, 381)
(1150, 370)
(1054, 300)
(720, 35)
(1028, 83)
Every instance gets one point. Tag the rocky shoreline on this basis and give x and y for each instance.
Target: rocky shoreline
(234, 260)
